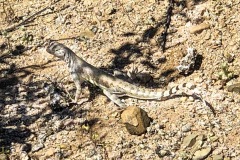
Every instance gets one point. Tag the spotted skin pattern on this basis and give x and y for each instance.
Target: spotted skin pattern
(112, 87)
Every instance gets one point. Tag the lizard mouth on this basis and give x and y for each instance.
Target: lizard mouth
(51, 44)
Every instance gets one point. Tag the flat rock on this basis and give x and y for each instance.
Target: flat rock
(234, 88)
(135, 119)
(189, 141)
(50, 152)
(202, 153)
(199, 27)
(217, 157)
(3, 156)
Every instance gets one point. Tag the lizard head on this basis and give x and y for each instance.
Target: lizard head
(56, 49)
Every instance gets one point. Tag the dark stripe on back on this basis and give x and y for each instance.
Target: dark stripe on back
(184, 84)
(177, 88)
(170, 91)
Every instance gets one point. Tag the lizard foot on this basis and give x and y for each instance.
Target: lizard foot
(79, 102)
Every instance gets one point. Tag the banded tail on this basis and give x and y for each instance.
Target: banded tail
(145, 93)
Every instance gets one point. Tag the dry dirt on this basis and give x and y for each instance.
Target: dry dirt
(119, 35)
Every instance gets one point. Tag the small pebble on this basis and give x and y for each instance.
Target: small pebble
(129, 8)
(186, 128)
(199, 28)
(202, 154)
(217, 157)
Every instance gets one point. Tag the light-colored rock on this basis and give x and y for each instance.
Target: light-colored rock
(50, 152)
(129, 8)
(217, 157)
(87, 33)
(199, 28)
(136, 120)
(187, 127)
(110, 10)
(234, 88)
(24, 156)
(202, 153)
(3, 156)
(214, 138)
(163, 153)
(37, 147)
(189, 141)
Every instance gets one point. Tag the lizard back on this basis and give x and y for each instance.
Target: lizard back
(107, 81)
(120, 87)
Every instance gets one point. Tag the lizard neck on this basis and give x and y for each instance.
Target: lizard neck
(70, 59)
(73, 61)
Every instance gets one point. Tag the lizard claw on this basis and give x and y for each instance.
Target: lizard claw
(83, 100)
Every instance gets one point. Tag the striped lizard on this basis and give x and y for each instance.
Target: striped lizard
(111, 86)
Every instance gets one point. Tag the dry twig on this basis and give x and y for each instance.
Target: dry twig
(31, 18)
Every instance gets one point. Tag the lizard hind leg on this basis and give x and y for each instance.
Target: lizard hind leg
(114, 98)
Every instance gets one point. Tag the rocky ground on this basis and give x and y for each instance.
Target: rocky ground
(38, 120)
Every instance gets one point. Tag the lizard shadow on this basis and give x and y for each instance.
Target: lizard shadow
(21, 104)
(147, 35)
(128, 52)
(120, 61)
(14, 127)
(196, 97)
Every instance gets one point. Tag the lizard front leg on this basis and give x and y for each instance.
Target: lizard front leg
(78, 82)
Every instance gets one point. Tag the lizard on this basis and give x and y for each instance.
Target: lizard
(112, 87)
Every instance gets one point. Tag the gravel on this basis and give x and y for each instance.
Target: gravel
(117, 35)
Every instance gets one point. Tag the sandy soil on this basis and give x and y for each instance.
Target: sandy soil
(119, 36)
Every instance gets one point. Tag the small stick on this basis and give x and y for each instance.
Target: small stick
(12, 28)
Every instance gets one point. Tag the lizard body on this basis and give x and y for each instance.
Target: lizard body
(112, 87)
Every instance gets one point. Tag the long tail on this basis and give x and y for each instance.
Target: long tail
(183, 89)
(145, 93)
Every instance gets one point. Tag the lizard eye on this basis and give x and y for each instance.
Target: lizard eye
(55, 48)
(59, 51)
(51, 46)
(51, 43)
